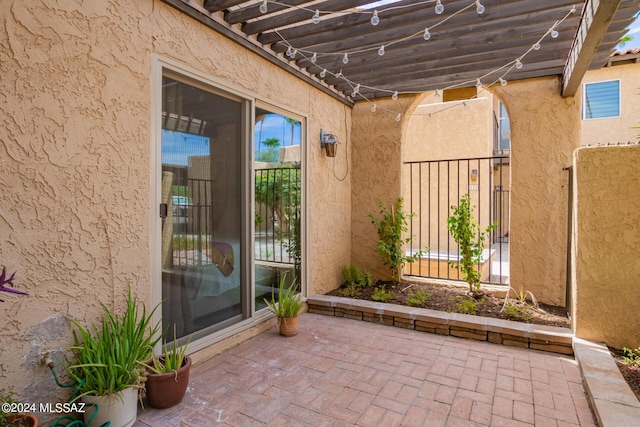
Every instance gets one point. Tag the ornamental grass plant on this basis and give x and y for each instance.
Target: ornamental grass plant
(107, 355)
(288, 303)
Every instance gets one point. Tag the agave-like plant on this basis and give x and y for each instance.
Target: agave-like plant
(107, 356)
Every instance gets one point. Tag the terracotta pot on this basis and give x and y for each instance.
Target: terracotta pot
(167, 390)
(22, 420)
(289, 326)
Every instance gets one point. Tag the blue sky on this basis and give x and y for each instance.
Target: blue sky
(275, 126)
(634, 31)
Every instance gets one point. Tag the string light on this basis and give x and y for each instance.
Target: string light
(398, 117)
(316, 17)
(374, 19)
(374, 108)
(517, 63)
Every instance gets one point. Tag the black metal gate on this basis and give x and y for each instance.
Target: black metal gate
(433, 187)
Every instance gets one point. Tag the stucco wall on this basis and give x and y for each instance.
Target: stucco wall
(75, 153)
(615, 129)
(607, 244)
(545, 129)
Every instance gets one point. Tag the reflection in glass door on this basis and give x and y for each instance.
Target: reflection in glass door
(202, 139)
(277, 215)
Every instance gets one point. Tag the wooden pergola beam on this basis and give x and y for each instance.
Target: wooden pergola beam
(596, 17)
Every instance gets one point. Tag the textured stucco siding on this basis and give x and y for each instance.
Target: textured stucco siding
(615, 129)
(545, 129)
(75, 144)
(607, 243)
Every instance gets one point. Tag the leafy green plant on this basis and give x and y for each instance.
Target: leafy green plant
(391, 227)
(470, 237)
(351, 290)
(517, 312)
(354, 277)
(5, 398)
(466, 305)
(172, 358)
(382, 295)
(631, 357)
(288, 303)
(417, 298)
(107, 357)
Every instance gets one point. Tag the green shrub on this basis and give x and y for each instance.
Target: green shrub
(350, 290)
(467, 233)
(390, 241)
(517, 312)
(417, 298)
(631, 357)
(382, 295)
(467, 305)
(353, 277)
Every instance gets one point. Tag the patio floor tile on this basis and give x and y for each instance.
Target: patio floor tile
(343, 372)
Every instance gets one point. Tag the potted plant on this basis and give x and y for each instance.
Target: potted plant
(9, 417)
(106, 363)
(286, 307)
(168, 375)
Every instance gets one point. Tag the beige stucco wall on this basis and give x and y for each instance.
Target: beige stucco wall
(75, 153)
(607, 243)
(617, 129)
(545, 129)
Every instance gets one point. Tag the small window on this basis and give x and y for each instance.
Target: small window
(504, 129)
(601, 100)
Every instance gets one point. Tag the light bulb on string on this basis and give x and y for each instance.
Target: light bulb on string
(554, 34)
(427, 34)
(323, 73)
(479, 7)
(478, 84)
(290, 52)
(374, 19)
(381, 50)
(345, 58)
(316, 17)
(374, 108)
(398, 117)
(519, 64)
(502, 81)
(339, 75)
(395, 95)
(356, 89)
(263, 6)
(294, 53)
(439, 7)
(314, 57)
(536, 46)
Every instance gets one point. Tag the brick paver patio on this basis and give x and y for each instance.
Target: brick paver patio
(342, 372)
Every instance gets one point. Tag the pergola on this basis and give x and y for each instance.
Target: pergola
(335, 46)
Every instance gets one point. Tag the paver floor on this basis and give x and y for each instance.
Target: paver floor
(342, 372)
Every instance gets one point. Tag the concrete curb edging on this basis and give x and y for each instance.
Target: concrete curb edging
(610, 397)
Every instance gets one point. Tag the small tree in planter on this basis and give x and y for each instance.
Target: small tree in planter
(470, 237)
(391, 243)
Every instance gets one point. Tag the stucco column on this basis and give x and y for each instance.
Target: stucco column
(377, 173)
(545, 130)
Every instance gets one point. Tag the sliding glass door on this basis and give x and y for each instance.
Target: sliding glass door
(202, 135)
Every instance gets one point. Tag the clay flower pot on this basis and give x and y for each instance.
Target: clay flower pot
(22, 420)
(167, 390)
(289, 326)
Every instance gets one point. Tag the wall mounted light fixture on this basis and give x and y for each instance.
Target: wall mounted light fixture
(329, 142)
